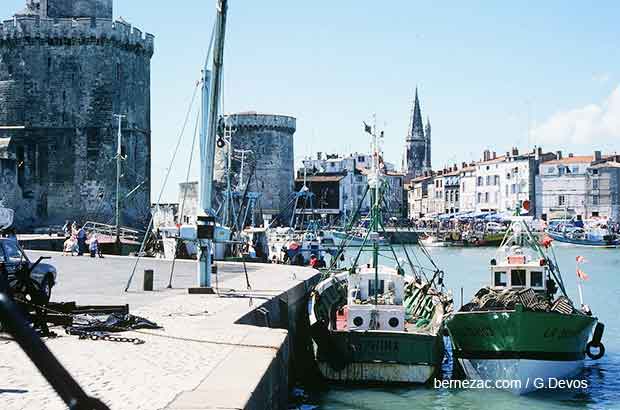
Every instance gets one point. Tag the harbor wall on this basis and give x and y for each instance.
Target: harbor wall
(286, 311)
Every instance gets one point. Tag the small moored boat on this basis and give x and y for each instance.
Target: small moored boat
(519, 328)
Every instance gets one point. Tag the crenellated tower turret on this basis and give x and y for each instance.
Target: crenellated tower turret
(66, 67)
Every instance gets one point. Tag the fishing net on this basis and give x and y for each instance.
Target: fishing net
(490, 299)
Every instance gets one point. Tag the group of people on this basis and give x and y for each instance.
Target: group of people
(78, 242)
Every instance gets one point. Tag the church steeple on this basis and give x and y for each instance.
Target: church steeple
(417, 126)
(428, 143)
(417, 158)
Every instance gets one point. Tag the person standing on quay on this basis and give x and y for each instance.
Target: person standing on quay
(66, 229)
(81, 237)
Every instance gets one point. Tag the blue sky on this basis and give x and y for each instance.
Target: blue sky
(485, 70)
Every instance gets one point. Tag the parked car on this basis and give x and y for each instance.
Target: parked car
(14, 260)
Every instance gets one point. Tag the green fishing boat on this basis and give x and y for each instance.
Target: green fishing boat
(523, 332)
(373, 323)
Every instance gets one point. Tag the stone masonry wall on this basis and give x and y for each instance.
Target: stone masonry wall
(63, 80)
(270, 138)
(77, 8)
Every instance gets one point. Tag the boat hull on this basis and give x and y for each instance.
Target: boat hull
(380, 357)
(354, 241)
(520, 376)
(585, 242)
(519, 345)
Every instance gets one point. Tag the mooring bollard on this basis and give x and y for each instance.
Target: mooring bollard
(148, 280)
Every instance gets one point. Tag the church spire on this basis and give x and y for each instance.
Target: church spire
(428, 143)
(417, 126)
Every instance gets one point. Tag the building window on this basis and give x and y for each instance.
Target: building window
(479, 181)
(486, 197)
(595, 184)
(479, 197)
(595, 200)
(561, 200)
(595, 172)
(595, 214)
(561, 170)
(488, 180)
(496, 180)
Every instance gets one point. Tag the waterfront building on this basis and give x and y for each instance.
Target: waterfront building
(518, 180)
(436, 195)
(579, 186)
(452, 182)
(328, 196)
(467, 191)
(418, 196)
(353, 184)
(563, 186)
(417, 156)
(488, 182)
(604, 188)
(364, 162)
(504, 183)
(66, 67)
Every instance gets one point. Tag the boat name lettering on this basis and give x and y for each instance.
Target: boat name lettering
(378, 346)
(479, 331)
(559, 333)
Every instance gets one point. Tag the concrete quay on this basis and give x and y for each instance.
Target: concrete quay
(226, 351)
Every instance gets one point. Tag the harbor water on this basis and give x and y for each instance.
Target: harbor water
(468, 268)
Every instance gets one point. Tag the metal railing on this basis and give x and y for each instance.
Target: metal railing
(128, 234)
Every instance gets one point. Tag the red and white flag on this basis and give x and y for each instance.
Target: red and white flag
(581, 259)
(582, 275)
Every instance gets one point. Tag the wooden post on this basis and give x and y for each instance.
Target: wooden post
(148, 280)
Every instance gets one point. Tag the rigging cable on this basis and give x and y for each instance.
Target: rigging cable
(161, 192)
(189, 168)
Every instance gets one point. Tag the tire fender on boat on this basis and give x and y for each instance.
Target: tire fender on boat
(596, 343)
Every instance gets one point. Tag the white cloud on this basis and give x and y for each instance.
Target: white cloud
(593, 123)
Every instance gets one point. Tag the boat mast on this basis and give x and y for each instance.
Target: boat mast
(375, 207)
(211, 91)
(119, 159)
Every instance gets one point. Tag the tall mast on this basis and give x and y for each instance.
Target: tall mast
(119, 159)
(374, 217)
(211, 92)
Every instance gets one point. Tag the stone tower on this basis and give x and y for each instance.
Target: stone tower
(65, 69)
(270, 138)
(417, 147)
(427, 131)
